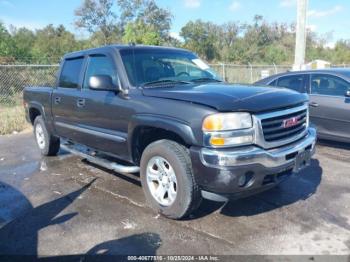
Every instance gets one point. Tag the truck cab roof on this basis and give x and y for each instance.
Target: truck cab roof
(120, 47)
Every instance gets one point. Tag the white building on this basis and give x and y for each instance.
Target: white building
(317, 64)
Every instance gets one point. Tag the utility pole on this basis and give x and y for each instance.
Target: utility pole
(300, 42)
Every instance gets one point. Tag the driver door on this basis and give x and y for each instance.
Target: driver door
(103, 114)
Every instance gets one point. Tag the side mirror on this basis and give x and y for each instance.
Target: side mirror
(102, 82)
(347, 94)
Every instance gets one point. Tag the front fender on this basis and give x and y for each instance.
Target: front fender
(181, 128)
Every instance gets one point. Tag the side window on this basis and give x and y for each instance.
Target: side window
(328, 85)
(100, 65)
(295, 82)
(70, 73)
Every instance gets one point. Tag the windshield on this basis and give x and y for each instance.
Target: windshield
(155, 66)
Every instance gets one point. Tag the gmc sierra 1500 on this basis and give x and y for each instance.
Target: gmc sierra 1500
(163, 113)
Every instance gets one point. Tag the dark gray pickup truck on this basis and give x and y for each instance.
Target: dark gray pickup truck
(163, 113)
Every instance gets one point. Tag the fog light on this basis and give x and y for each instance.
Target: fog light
(246, 180)
(231, 141)
(217, 141)
(242, 180)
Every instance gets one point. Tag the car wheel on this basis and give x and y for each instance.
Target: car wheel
(49, 145)
(167, 179)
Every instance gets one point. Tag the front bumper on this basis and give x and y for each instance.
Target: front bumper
(220, 171)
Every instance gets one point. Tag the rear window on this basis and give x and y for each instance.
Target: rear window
(70, 73)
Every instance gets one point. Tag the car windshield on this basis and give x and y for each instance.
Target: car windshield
(152, 66)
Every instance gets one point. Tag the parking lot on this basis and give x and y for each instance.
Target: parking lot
(63, 206)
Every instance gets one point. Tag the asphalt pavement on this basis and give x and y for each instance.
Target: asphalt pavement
(54, 206)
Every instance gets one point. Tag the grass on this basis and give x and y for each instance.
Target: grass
(12, 118)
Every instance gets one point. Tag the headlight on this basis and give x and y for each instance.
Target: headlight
(227, 121)
(228, 129)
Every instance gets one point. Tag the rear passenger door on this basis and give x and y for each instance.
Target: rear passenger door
(294, 82)
(64, 98)
(329, 107)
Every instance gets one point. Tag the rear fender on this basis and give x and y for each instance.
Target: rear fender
(45, 115)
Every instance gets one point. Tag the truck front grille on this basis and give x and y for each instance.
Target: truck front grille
(277, 128)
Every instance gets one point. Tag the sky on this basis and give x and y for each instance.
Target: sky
(326, 16)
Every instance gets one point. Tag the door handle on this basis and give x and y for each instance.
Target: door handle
(57, 100)
(81, 102)
(314, 104)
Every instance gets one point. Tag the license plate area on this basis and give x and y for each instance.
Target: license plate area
(302, 160)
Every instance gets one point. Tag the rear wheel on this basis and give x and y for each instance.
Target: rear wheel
(167, 179)
(48, 144)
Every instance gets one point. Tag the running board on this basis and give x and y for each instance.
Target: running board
(101, 162)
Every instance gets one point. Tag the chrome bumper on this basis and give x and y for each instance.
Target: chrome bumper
(253, 155)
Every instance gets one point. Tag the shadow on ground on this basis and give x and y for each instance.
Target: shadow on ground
(141, 244)
(19, 237)
(10, 195)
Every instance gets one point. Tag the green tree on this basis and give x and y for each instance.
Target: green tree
(275, 54)
(341, 52)
(51, 43)
(140, 33)
(6, 44)
(147, 13)
(200, 37)
(97, 17)
(143, 22)
(23, 39)
(226, 37)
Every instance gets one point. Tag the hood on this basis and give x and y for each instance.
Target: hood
(225, 98)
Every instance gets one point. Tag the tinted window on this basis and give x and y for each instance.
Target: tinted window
(149, 65)
(328, 85)
(70, 73)
(100, 65)
(296, 82)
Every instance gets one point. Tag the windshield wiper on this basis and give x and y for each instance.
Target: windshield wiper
(206, 79)
(164, 81)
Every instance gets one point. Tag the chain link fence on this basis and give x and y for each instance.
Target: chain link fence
(13, 79)
(247, 74)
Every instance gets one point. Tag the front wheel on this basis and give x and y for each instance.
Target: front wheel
(167, 179)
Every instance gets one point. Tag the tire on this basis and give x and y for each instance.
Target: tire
(175, 160)
(48, 144)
